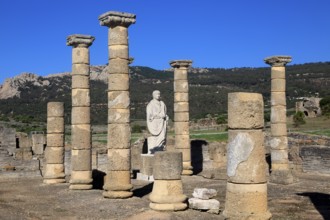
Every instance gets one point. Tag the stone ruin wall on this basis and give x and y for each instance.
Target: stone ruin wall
(310, 107)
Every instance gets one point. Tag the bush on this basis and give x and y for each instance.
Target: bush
(325, 106)
(299, 119)
(221, 119)
(138, 128)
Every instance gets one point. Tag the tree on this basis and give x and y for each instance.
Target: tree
(325, 106)
(299, 119)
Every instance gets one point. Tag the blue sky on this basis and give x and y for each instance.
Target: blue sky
(213, 33)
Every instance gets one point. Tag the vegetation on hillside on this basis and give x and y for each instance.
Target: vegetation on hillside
(207, 92)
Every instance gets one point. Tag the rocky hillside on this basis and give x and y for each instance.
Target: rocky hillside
(27, 94)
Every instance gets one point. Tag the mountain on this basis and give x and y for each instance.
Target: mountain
(27, 94)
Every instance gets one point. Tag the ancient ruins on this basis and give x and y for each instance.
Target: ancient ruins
(54, 155)
(246, 196)
(118, 179)
(281, 172)
(309, 106)
(165, 174)
(181, 112)
(81, 164)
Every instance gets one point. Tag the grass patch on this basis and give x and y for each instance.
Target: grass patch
(210, 137)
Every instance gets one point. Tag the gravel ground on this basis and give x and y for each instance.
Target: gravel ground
(29, 198)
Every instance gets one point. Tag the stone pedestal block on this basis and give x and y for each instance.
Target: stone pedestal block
(168, 165)
(147, 164)
(167, 192)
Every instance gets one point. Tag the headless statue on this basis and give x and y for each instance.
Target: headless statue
(157, 123)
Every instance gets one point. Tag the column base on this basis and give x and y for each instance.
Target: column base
(53, 181)
(168, 206)
(246, 201)
(117, 194)
(247, 216)
(187, 172)
(81, 186)
(283, 177)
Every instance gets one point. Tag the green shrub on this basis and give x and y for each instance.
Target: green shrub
(299, 119)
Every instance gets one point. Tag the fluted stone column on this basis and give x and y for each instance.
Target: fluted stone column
(54, 153)
(246, 194)
(167, 192)
(118, 178)
(81, 164)
(281, 172)
(181, 112)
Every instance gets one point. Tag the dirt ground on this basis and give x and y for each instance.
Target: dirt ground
(29, 198)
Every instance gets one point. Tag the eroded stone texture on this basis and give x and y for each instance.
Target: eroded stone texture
(81, 160)
(279, 144)
(167, 192)
(54, 155)
(118, 182)
(181, 111)
(246, 193)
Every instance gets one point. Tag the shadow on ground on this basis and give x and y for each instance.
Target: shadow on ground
(321, 202)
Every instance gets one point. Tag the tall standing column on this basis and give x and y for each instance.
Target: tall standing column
(118, 178)
(246, 194)
(281, 172)
(81, 165)
(181, 112)
(54, 153)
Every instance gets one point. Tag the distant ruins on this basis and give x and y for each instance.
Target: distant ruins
(309, 106)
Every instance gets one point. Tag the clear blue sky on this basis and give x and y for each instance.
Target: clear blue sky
(213, 33)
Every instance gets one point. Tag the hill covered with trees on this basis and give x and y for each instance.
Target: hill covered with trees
(208, 90)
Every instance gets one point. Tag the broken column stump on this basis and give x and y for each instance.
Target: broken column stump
(246, 194)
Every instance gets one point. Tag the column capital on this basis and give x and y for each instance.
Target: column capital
(181, 63)
(115, 18)
(79, 40)
(278, 60)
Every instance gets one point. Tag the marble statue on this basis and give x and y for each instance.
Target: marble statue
(157, 122)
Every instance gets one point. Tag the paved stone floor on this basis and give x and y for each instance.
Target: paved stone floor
(29, 198)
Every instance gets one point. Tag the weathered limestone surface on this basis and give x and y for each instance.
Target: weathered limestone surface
(81, 165)
(54, 155)
(167, 192)
(281, 173)
(181, 112)
(246, 195)
(118, 182)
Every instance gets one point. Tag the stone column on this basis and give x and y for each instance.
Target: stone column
(167, 192)
(281, 172)
(54, 154)
(81, 165)
(181, 112)
(246, 195)
(118, 179)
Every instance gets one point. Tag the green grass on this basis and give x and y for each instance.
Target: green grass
(211, 136)
(316, 126)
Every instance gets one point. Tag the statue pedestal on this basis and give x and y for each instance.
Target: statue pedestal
(146, 169)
